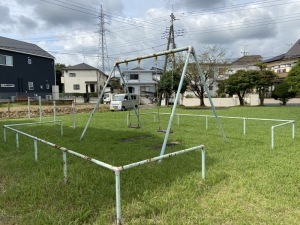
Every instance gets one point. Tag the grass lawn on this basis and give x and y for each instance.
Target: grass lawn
(247, 182)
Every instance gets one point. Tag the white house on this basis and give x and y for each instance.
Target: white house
(83, 78)
(140, 81)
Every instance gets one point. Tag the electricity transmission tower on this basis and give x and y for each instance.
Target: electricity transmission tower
(103, 61)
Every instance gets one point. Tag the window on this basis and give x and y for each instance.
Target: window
(72, 74)
(76, 87)
(29, 61)
(133, 76)
(7, 85)
(30, 86)
(47, 86)
(131, 89)
(6, 60)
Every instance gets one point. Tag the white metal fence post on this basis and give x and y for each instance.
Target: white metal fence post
(203, 163)
(118, 196)
(28, 106)
(35, 150)
(17, 140)
(4, 134)
(65, 166)
(40, 108)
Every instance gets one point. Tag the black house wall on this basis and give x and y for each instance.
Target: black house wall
(40, 72)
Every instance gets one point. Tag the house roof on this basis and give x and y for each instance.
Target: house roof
(23, 47)
(81, 66)
(157, 70)
(247, 60)
(294, 50)
(292, 53)
(138, 68)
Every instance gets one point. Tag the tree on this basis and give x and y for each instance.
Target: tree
(283, 92)
(169, 82)
(58, 74)
(213, 63)
(264, 80)
(293, 78)
(240, 82)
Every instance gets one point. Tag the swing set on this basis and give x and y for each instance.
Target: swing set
(190, 53)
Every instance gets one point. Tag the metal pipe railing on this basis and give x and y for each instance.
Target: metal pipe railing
(116, 169)
(279, 125)
(286, 122)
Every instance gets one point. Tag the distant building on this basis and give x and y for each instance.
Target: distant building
(25, 69)
(283, 63)
(246, 62)
(83, 78)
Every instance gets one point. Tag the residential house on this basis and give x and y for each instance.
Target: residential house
(140, 81)
(246, 62)
(25, 69)
(157, 73)
(143, 82)
(217, 73)
(83, 78)
(283, 63)
(221, 71)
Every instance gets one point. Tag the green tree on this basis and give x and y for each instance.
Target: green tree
(265, 78)
(58, 74)
(293, 78)
(240, 82)
(213, 63)
(283, 92)
(169, 83)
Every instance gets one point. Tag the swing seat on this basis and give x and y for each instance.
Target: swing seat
(134, 126)
(164, 131)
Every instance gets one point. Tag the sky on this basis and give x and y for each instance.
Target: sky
(69, 29)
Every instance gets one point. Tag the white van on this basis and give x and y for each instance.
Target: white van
(122, 102)
(107, 98)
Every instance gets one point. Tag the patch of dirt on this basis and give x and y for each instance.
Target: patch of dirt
(134, 139)
(171, 143)
(22, 111)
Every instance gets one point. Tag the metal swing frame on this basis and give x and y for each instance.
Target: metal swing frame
(190, 53)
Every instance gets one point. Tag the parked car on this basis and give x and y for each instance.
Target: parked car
(124, 102)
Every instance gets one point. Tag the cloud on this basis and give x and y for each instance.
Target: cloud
(196, 4)
(26, 24)
(134, 27)
(68, 13)
(6, 19)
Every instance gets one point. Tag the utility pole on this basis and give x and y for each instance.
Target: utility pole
(102, 47)
(245, 51)
(171, 41)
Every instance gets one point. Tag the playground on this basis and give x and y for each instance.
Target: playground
(95, 169)
(242, 173)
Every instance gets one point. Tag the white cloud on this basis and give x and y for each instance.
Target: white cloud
(135, 28)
